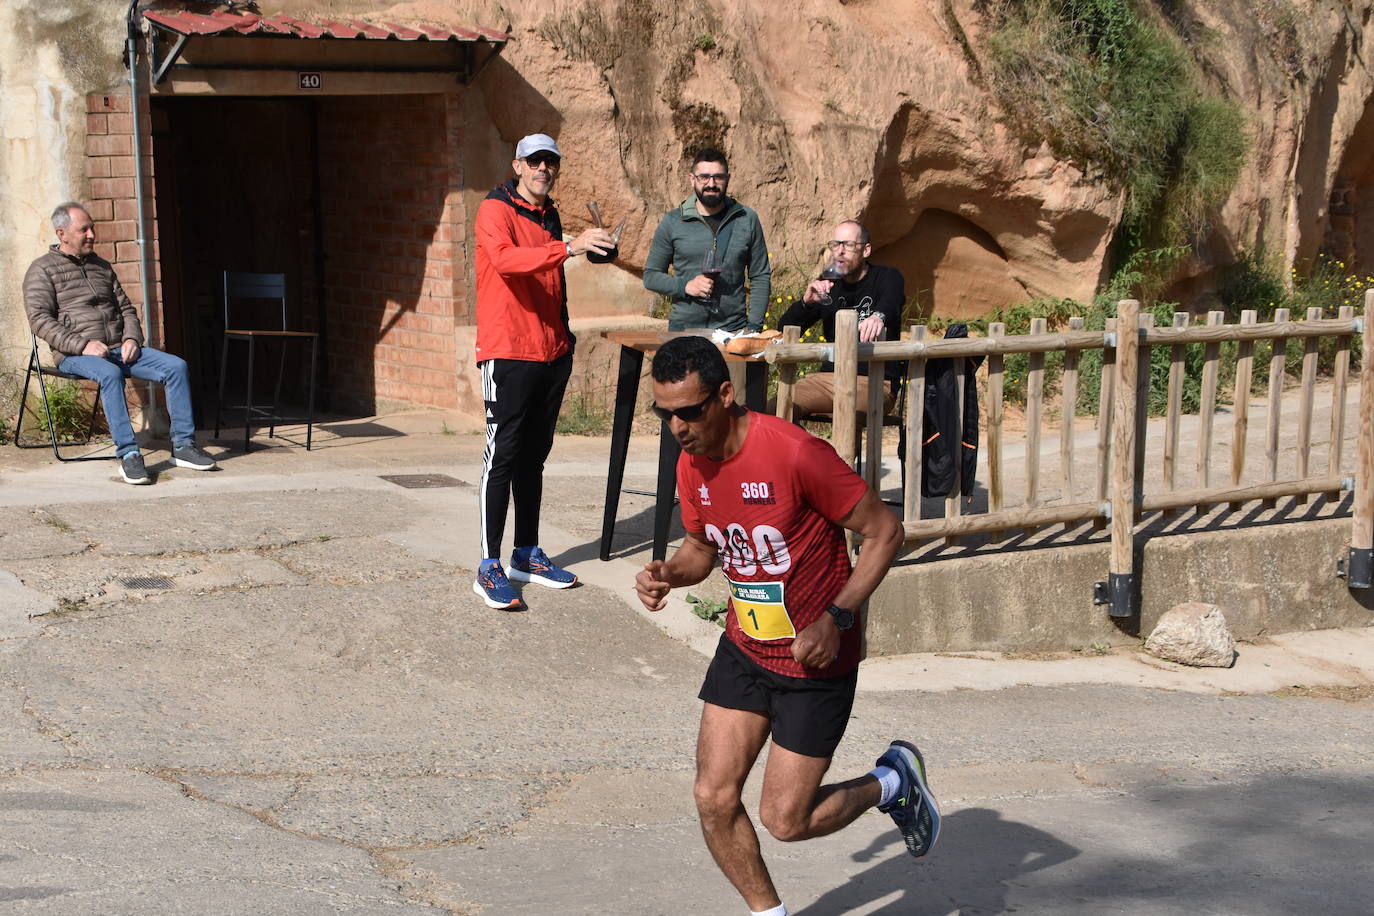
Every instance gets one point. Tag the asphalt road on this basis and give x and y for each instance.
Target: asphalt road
(308, 711)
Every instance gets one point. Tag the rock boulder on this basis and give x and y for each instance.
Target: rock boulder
(1193, 633)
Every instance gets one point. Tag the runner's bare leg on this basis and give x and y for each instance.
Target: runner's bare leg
(727, 747)
(796, 806)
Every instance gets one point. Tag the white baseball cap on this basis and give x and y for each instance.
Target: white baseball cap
(536, 143)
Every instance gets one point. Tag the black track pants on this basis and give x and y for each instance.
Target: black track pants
(523, 399)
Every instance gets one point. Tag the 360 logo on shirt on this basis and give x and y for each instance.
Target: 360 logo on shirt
(757, 493)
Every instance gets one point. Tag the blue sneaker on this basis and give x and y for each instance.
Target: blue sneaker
(494, 588)
(914, 810)
(531, 564)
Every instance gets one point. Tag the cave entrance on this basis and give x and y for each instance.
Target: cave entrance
(1350, 214)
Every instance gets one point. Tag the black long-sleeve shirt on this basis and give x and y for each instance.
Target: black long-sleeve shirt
(880, 290)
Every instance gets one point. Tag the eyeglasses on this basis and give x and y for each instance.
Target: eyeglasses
(837, 244)
(688, 414)
(539, 159)
(720, 176)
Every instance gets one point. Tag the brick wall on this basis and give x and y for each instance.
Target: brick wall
(111, 198)
(113, 207)
(394, 238)
(394, 242)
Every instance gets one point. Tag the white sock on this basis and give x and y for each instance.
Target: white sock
(890, 781)
(779, 910)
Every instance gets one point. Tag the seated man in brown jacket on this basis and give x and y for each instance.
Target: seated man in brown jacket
(76, 305)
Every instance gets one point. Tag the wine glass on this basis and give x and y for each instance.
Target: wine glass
(832, 273)
(612, 253)
(711, 268)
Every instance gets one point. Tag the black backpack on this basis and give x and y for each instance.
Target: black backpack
(940, 451)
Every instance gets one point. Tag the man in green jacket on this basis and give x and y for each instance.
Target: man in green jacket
(711, 221)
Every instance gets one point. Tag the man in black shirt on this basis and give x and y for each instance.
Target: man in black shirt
(877, 293)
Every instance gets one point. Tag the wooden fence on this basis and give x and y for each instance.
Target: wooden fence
(1117, 496)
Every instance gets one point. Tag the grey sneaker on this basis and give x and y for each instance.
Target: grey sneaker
(914, 810)
(132, 470)
(188, 456)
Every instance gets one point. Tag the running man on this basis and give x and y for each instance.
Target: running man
(772, 502)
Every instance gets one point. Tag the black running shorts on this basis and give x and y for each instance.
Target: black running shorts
(808, 716)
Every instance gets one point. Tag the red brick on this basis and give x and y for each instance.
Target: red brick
(126, 251)
(127, 208)
(109, 145)
(121, 124)
(107, 102)
(121, 166)
(99, 209)
(112, 188)
(119, 230)
(98, 167)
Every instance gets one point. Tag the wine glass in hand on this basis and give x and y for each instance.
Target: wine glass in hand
(710, 269)
(831, 274)
(610, 254)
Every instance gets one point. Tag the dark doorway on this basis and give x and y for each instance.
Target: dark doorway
(356, 199)
(237, 189)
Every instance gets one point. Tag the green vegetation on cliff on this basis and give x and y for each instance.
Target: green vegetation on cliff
(1106, 84)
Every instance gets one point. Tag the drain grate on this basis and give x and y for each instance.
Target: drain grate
(422, 481)
(146, 582)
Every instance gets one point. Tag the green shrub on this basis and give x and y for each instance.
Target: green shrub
(68, 412)
(1116, 92)
(1253, 284)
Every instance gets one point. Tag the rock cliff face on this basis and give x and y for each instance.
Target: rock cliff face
(876, 109)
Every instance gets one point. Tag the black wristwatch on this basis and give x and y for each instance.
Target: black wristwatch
(844, 618)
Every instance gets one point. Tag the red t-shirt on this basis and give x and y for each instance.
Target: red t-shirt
(772, 511)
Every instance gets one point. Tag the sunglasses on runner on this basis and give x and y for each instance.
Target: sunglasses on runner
(688, 414)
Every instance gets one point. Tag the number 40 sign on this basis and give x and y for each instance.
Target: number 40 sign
(309, 80)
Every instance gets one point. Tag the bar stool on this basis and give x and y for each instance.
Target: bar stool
(263, 287)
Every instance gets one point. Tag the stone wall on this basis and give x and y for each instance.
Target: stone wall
(52, 55)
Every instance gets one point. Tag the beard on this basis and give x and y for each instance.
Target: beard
(711, 198)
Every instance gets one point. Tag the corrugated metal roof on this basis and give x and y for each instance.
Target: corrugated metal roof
(222, 22)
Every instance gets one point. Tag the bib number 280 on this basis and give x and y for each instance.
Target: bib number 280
(746, 552)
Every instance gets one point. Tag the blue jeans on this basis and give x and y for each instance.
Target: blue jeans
(154, 366)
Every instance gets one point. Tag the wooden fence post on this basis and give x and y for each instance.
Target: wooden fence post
(787, 376)
(1120, 584)
(915, 429)
(844, 421)
(1360, 565)
(1068, 412)
(1106, 400)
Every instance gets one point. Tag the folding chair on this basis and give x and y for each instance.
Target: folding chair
(36, 368)
(263, 287)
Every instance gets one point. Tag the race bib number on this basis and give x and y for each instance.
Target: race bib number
(760, 610)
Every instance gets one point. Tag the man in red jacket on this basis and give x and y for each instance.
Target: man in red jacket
(524, 350)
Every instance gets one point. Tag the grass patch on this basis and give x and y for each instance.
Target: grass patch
(584, 416)
(1349, 694)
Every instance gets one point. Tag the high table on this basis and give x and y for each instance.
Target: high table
(633, 346)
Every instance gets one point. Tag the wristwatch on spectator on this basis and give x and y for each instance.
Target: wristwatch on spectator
(568, 245)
